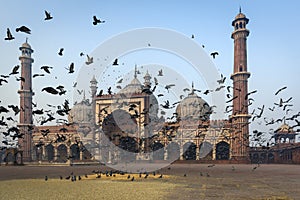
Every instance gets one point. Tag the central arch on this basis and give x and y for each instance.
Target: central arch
(222, 151)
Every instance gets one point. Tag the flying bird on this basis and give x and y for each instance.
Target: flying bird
(89, 60)
(50, 90)
(46, 69)
(96, 21)
(9, 35)
(3, 80)
(15, 70)
(213, 54)
(283, 88)
(60, 52)
(23, 29)
(48, 15)
(160, 73)
(71, 68)
(36, 75)
(222, 80)
(115, 62)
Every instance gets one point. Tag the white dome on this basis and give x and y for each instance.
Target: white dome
(193, 107)
(81, 112)
(134, 86)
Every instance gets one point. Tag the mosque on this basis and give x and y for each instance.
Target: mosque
(125, 126)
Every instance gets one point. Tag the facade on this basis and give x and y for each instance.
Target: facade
(126, 126)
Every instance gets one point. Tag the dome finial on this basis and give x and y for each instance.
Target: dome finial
(83, 95)
(240, 9)
(193, 90)
(26, 39)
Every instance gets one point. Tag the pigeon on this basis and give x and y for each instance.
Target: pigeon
(89, 60)
(61, 51)
(50, 90)
(3, 80)
(46, 69)
(15, 70)
(8, 35)
(283, 88)
(71, 68)
(48, 15)
(23, 29)
(115, 62)
(160, 73)
(96, 21)
(222, 80)
(213, 54)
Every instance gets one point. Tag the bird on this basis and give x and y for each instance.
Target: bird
(81, 54)
(213, 54)
(96, 21)
(3, 109)
(36, 75)
(283, 88)
(9, 35)
(15, 70)
(193, 36)
(46, 178)
(252, 92)
(207, 91)
(222, 80)
(48, 15)
(3, 80)
(71, 68)
(46, 69)
(60, 52)
(132, 179)
(50, 90)
(167, 87)
(219, 88)
(14, 108)
(89, 60)
(24, 29)
(160, 72)
(115, 63)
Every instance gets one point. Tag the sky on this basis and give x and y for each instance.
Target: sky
(273, 44)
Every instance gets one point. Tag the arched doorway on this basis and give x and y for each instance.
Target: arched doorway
(173, 151)
(128, 149)
(158, 151)
(270, 158)
(49, 152)
(205, 152)
(75, 152)
(189, 150)
(222, 151)
(255, 158)
(62, 153)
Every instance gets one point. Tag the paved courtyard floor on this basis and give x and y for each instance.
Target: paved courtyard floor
(197, 181)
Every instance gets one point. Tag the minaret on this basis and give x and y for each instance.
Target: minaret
(25, 121)
(93, 87)
(147, 78)
(240, 116)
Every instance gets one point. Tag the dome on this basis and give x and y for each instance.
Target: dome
(81, 112)
(134, 86)
(240, 16)
(284, 128)
(26, 45)
(193, 107)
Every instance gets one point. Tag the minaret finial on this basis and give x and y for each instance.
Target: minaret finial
(26, 39)
(83, 95)
(135, 71)
(240, 9)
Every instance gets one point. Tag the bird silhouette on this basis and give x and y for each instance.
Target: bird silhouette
(213, 54)
(160, 73)
(222, 80)
(50, 90)
(60, 52)
(48, 15)
(115, 63)
(24, 29)
(89, 60)
(8, 35)
(96, 20)
(15, 70)
(46, 69)
(283, 88)
(3, 80)
(71, 68)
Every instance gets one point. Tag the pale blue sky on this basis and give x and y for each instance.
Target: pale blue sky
(273, 43)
